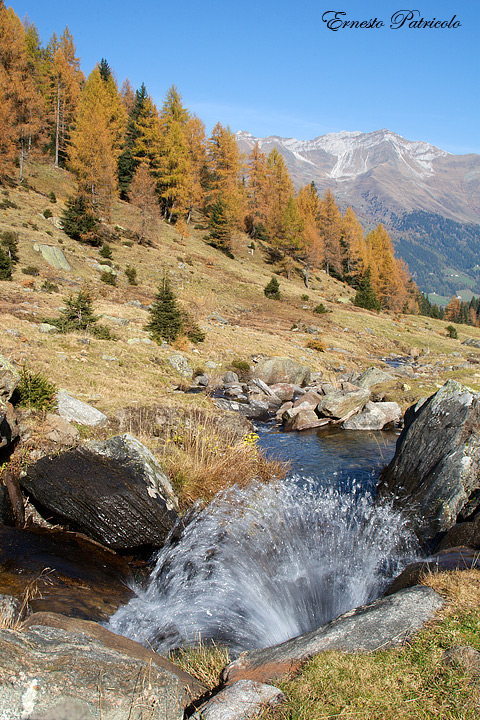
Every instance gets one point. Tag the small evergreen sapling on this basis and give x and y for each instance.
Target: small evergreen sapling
(272, 289)
(366, 297)
(166, 321)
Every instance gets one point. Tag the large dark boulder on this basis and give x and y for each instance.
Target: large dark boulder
(114, 492)
(435, 472)
(9, 429)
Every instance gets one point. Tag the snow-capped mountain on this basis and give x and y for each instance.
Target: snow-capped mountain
(428, 198)
(380, 173)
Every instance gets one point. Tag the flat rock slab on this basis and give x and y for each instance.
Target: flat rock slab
(119, 643)
(53, 256)
(43, 668)
(375, 416)
(65, 573)
(113, 492)
(77, 411)
(435, 472)
(243, 700)
(337, 403)
(373, 376)
(385, 623)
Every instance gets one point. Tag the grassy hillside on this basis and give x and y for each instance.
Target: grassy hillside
(112, 374)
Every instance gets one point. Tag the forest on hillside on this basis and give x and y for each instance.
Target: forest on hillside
(120, 145)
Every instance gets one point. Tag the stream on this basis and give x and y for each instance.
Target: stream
(265, 563)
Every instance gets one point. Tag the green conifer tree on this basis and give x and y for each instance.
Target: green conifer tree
(272, 289)
(366, 297)
(165, 317)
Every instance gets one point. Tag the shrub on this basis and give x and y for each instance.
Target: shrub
(31, 270)
(452, 332)
(320, 309)
(166, 320)
(52, 197)
(106, 251)
(47, 213)
(77, 313)
(316, 344)
(5, 265)
(9, 243)
(196, 335)
(6, 204)
(48, 286)
(272, 289)
(131, 275)
(108, 278)
(34, 391)
(305, 298)
(241, 368)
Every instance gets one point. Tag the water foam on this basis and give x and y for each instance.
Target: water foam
(266, 563)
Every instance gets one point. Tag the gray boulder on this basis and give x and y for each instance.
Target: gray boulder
(282, 370)
(230, 377)
(77, 411)
(465, 534)
(53, 256)
(385, 623)
(435, 472)
(337, 404)
(9, 378)
(45, 668)
(181, 365)
(375, 416)
(373, 376)
(243, 700)
(115, 492)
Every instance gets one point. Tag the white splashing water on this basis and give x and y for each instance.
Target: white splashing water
(263, 564)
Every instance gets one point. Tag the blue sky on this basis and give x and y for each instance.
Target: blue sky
(274, 68)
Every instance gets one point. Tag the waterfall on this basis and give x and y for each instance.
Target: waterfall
(265, 563)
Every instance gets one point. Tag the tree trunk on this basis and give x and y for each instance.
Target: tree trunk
(57, 124)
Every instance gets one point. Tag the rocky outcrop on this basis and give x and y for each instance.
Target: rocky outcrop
(382, 624)
(114, 492)
(282, 370)
(435, 472)
(77, 411)
(373, 376)
(44, 667)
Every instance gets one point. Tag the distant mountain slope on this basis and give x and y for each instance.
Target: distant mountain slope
(412, 187)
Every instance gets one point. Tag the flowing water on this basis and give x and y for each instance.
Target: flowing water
(266, 563)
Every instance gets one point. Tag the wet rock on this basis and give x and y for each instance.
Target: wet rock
(181, 365)
(465, 534)
(373, 376)
(77, 411)
(337, 404)
(240, 701)
(9, 379)
(282, 370)
(202, 380)
(452, 559)
(45, 667)
(62, 572)
(385, 623)
(436, 467)
(375, 416)
(114, 492)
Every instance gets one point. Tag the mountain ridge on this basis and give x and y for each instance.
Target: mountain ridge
(385, 177)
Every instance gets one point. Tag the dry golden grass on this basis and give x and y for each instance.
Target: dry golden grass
(204, 661)
(203, 455)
